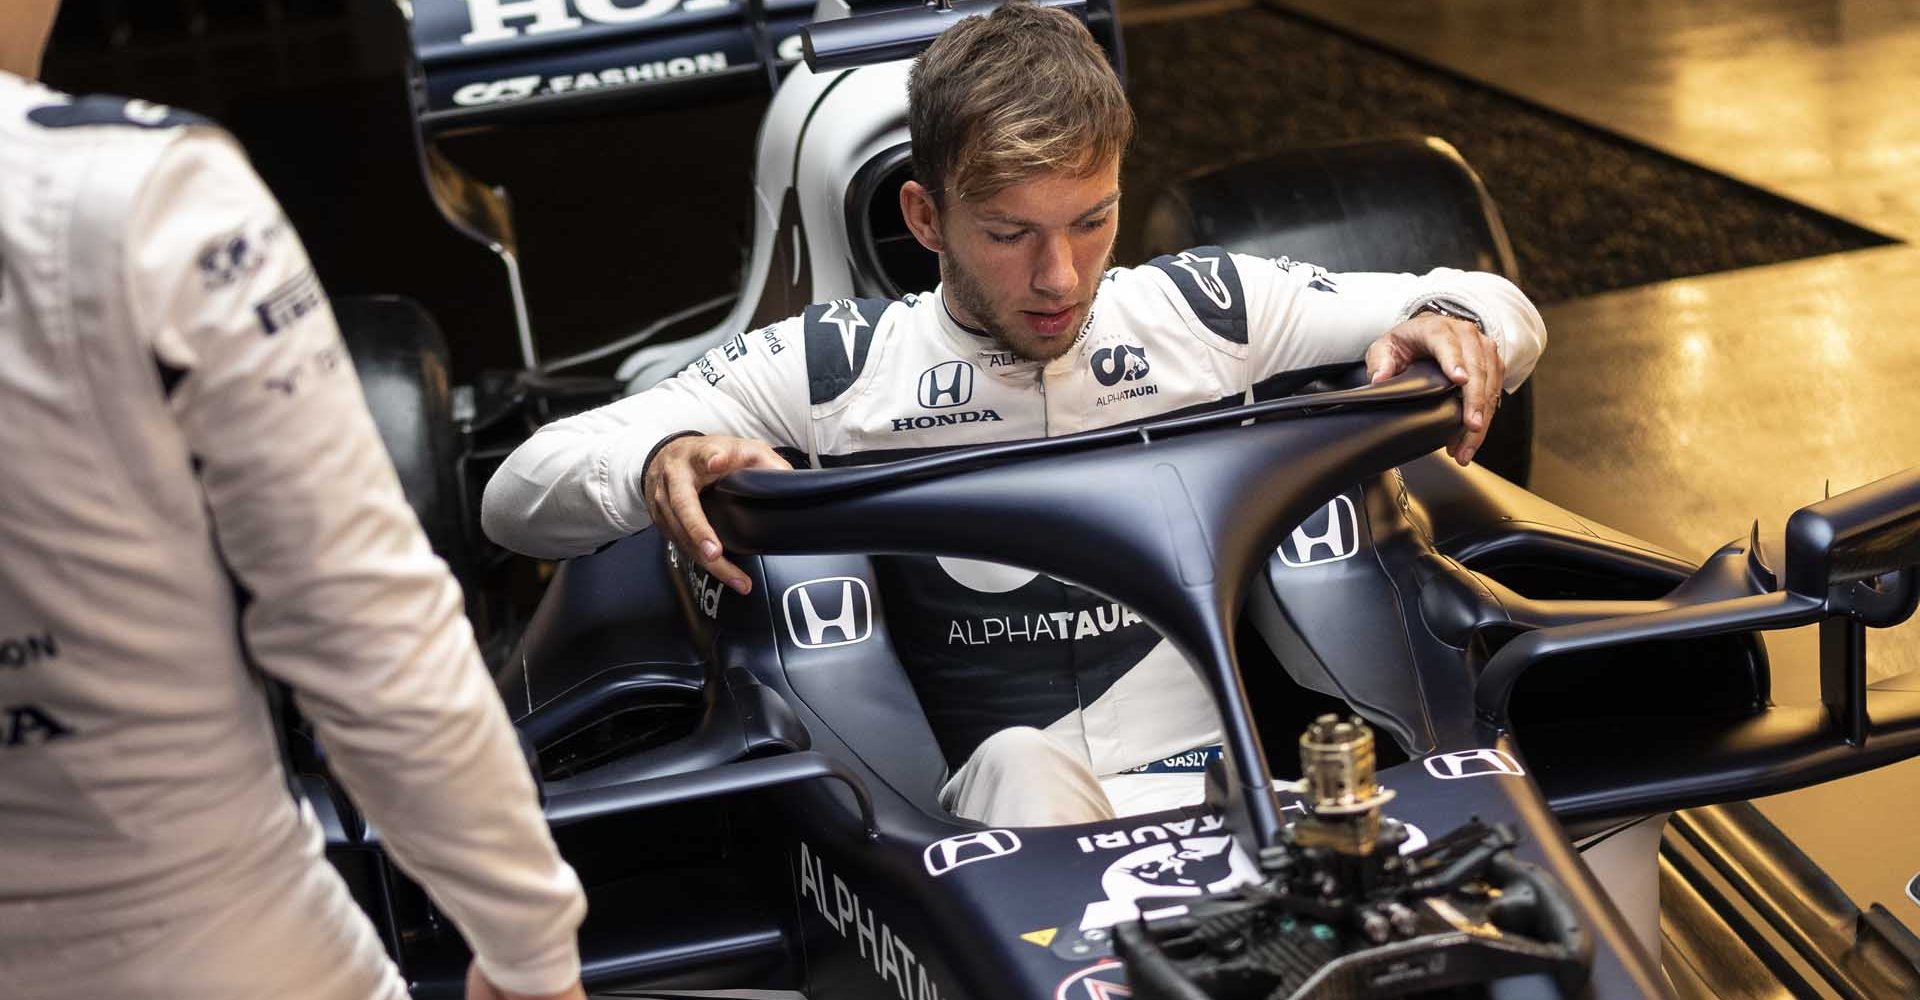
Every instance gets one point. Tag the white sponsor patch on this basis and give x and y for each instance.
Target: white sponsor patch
(835, 611)
(943, 856)
(482, 94)
(1191, 866)
(1471, 764)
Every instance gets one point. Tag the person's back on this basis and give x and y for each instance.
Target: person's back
(193, 489)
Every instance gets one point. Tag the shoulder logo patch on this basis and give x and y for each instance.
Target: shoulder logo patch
(101, 109)
(1210, 283)
(838, 335)
(1206, 273)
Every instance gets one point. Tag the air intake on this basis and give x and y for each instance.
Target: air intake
(887, 261)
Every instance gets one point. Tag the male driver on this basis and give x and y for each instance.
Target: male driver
(193, 487)
(1041, 694)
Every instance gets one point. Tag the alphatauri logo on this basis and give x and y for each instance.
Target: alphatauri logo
(835, 611)
(1111, 365)
(943, 856)
(947, 384)
(1331, 534)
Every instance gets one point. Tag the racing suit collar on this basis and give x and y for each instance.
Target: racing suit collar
(993, 357)
(988, 353)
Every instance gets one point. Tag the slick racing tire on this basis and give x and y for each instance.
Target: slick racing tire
(1408, 204)
(401, 358)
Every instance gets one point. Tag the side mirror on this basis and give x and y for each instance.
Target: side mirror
(1856, 554)
(1858, 551)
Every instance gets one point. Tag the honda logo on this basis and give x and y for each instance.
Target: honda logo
(835, 611)
(1471, 764)
(488, 18)
(944, 385)
(943, 856)
(1330, 535)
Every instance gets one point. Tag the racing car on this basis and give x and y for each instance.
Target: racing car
(747, 785)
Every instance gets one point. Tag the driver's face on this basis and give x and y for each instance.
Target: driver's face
(1024, 264)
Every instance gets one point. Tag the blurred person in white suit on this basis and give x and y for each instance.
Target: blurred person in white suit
(194, 490)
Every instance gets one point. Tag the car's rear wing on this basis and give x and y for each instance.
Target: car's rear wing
(504, 63)
(491, 62)
(486, 62)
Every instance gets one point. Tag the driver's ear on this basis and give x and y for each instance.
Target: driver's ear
(922, 215)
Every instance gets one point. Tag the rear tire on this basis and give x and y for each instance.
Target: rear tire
(401, 358)
(1387, 205)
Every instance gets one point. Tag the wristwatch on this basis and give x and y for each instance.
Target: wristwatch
(1452, 312)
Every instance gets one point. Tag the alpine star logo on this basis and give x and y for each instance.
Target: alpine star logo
(1112, 365)
(1206, 274)
(1471, 764)
(835, 611)
(845, 315)
(943, 856)
(1317, 276)
(1331, 534)
(947, 384)
(489, 18)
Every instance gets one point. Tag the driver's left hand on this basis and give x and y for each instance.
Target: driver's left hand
(1468, 356)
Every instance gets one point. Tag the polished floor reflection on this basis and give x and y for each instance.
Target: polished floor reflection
(1809, 98)
(1685, 410)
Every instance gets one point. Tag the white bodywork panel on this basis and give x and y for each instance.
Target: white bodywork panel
(819, 131)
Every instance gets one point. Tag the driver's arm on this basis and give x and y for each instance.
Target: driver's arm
(577, 483)
(344, 600)
(1301, 316)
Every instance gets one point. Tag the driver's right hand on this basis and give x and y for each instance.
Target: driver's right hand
(672, 483)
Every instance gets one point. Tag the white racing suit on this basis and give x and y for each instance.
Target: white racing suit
(997, 653)
(194, 488)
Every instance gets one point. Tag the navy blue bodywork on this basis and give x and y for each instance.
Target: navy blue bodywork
(780, 829)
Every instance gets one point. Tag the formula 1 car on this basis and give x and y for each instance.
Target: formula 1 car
(747, 785)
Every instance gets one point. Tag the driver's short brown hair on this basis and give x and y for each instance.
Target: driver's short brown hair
(998, 99)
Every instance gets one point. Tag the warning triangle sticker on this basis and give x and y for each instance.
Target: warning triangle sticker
(1043, 938)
